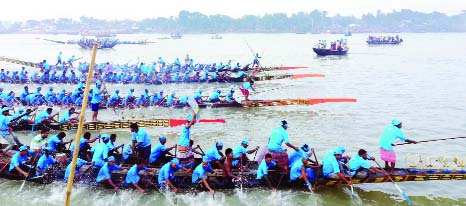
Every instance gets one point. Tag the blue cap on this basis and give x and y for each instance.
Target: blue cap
(105, 137)
(117, 91)
(305, 148)
(219, 91)
(161, 138)
(199, 90)
(205, 159)
(219, 143)
(175, 161)
(131, 89)
(245, 141)
(111, 159)
(23, 148)
(98, 83)
(190, 117)
(396, 122)
(339, 150)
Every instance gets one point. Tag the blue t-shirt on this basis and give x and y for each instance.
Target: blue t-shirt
(166, 172)
(100, 154)
(389, 135)
(200, 172)
(212, 154)
(263, 168)
(44, 163)
(277, 138)
(295, 170)
(54, 141)
(156, 152)
(18, 160)
(185, 137)
(42, 116)
(105, 172)
(127, 151)
(237, 152)
(141, 136)
(297, 156)
(330, 165)
(96, 97)
(65, 117)
(133, 174)
(356, 162)
(79, 163)
(214, 96)
(4, 121)
(82, 142)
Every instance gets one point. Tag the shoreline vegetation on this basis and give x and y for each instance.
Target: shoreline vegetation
(186, 22)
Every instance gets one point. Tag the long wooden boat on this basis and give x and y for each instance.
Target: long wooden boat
(183, 180)
(375, 42)
(326, 52)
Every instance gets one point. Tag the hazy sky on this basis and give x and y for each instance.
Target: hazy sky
(139, 9)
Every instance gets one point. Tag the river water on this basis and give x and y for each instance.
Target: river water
(421, 82)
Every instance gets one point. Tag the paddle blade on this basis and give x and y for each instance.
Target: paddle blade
(299, 76)
(179, 122)
(326, 100)
(408, 200)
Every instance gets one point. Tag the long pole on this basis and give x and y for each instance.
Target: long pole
(403, 194)
(433, 140)
(80, 127)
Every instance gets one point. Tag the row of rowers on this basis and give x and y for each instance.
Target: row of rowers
(335, 165)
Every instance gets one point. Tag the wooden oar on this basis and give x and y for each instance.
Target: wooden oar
(24, 181)
(403, 194)
(432, 140)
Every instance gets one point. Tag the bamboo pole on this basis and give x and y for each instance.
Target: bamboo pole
(80, 127)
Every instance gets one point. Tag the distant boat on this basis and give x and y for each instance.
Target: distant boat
(300, 32)
(103, 42)
(373, 40)
(216, 36)
(348, 33)
(326, 52)
(176, 35)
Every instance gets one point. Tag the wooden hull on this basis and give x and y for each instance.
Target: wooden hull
(326, 52)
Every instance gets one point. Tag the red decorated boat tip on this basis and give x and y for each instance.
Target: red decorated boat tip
(299, 76)
(326, 100)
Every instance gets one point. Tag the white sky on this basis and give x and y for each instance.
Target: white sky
(138, 9)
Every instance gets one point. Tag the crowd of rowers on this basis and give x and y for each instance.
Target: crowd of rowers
(157, 72)
(139, 154)
(384, 39)
(338, 45)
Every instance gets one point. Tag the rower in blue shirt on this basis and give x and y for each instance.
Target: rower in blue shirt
(157, 155)
(71, 60)
(389, 135)
(104, 176)
(101, 152)
(171, 100)
(199, 175)
(214, 154)
(198, 95)
(166, 176)
(360, 167)
(84, 145)
(263, 170)
(49, 93)
(301, 171)
(77, 173)
(215, 96)
(245, 89)
(45, 162)
(332, 168)
(141, 142)
(57, 144)
(303, 152)
(45, 117)
(229, 97)
(132, 176)
(58, 59)
(24, 95)
(18, 162)
(240, 153)
(114, 99)
(66, 117)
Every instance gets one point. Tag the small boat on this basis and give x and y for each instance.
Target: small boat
(378, 40)
(216, 36)
(326, 52)
(375, 42)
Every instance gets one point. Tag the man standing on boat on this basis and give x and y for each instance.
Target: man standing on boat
(141, 142)
(245, 89)
(277, 138)
(97, 96)
(389, 135)
(184, 150)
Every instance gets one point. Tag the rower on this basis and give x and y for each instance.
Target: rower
(77, 173)
(199, 175)
(166, 176)
(100, 153)
(300, 171)
(45, 162)
(360, 167)
(239, 153)
(66, 117)
(141, 101)
(255, 61)
(332, 168)
(159, 152)
(277, 138)
(171, 100)
(389, 135)
(45, 117)
(97, 96)
(245, 89)
(105, 176)
(18, 162)
(198, 96)
(5, 129)
(215, 154)
(227, 174)
(295, 156)
(141, 142)
(114, 99)
(49, 93)
(215, 96)
(184, 150)
(229, 97)
(84, 145)
(40, 141)
(57, 144)
(263, 170)
(127, 152)
(23, 96)
(132, 176)
(111, 145)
